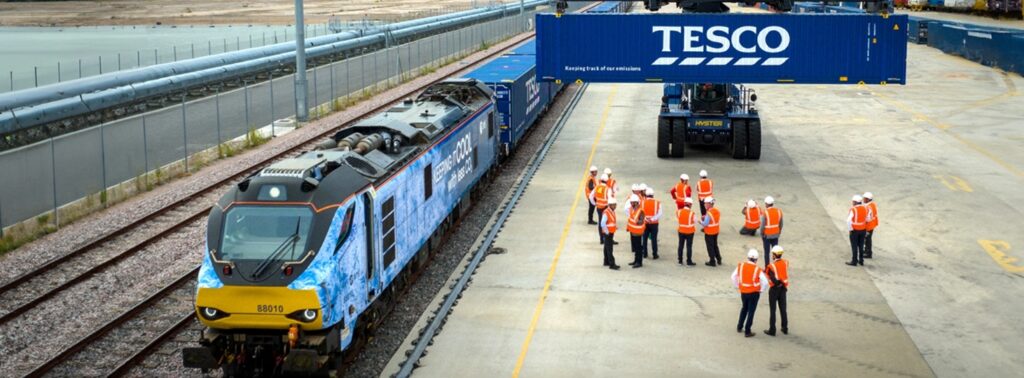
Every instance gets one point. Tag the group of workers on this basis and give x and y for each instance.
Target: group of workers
(644, 214)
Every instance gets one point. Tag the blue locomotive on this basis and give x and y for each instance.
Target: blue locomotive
(306, 254)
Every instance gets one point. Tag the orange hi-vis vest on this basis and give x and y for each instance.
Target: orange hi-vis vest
(611, 184)
(704, 188)
(592, 181)
(610, 221)
(781, 270)
(712, 227)
(874, 218)
(773, 218)
(753, 218)
(636, 225)
(651, 208)
(681, 193)
(601, 193)
(860, 216)
(750, 277)
(686, 224)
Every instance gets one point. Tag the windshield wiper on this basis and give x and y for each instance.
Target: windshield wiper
(292, 239)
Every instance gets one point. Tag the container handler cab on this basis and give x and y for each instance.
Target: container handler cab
(709, 114)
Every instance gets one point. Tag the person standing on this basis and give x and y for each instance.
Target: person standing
(705, 189)
(652, 210)
(771, 226)
(856, 222)
(750, 280)
(710, 222)
(600, 197)
(634, 190)
(869, 200)
(751, 218)
(687, 226)
(612, 184)
(636, 227)
(778, 284)
(681, 191)
(592, 182)
(608, 228)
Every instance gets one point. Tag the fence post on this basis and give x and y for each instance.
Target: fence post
(184, 130)
(316, 97)
(193, 50)
(156, 57)
(273, 119)
(53, 169)
(58, 72)
(145, 150)
(11, 76)
(103, 159)
(138, 58)
(79, 68)
(174, 54)
(100, 58)
(245, 92)
(238, 43)
(35, 74)
(118, 61)
(209, 48)
(334, 94)
(216, 100)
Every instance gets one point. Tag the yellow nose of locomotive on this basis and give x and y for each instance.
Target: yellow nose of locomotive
(259, 307)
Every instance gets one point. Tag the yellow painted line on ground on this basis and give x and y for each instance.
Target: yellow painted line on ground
(954, 183)
(565, 234)
(999, 250)
(945, 128)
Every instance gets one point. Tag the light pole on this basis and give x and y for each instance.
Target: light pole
(301, 106)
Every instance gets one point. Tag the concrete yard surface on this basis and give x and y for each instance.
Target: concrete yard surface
(942, 297)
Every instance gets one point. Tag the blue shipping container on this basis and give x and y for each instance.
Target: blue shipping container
(723, 48)
(528, 48)
(517, 95)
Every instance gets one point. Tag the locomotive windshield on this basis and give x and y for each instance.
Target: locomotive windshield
(257, 232)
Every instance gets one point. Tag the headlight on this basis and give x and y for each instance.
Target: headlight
(306, 316)
(210, 313)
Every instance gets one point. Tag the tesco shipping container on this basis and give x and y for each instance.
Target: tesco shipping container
(549, 89)
(528, 48)
(517, 95)
(723, 48)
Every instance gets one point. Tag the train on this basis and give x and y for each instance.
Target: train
(994, 8)
(303, 257)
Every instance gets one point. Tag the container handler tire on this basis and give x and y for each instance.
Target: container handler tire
(754, 139)
(739, 139)
(664, 136)
(678, 137)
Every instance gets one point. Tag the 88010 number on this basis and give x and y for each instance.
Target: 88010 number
(269, 308)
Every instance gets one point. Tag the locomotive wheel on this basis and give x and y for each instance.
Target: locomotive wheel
(739, 139)
(664, 136)
(678, 137)
(754, 139)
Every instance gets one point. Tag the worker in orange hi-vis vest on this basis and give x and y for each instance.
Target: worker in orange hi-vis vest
(705, 189)
(652, 211)
(608, 227)
(612, 184)
(681, 191)
(635, 225)
(771, 226)
(778, 284)
(687, 226)
(635, 190)
(751, 218)
(711, 222)
(869, 201)
(857, 223)
(592, 182)
(750, 280)
(599, 197)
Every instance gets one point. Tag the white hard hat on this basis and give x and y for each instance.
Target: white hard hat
(769, 200)
(684, 177)
(612, 201)
(607, 171)
(752, 254)
(643, 187)
(751, 203)
(649, 192)
(868, 195)
(688, 200)
(593, 168)
(777, 250)
(703, 173)
(634, 187)
(604, 177)
(858, 198)
(634, 198)
(709, 200)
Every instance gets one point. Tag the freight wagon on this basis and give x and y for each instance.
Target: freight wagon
(518, 97)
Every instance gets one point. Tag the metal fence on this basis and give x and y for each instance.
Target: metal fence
(46, 175)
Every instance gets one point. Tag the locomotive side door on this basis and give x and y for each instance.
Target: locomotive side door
(372, 277)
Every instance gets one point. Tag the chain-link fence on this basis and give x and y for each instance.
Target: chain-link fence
(46, 175)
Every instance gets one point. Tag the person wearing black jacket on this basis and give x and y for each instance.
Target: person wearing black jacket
(778, 281)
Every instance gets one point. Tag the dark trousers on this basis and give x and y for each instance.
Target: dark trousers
(685, 240)
(703, 211)
(748, 231)
(867, 243)
(857, 246)
(600, 217)
(747, 311)
(638, 251)
(768, 244)
(609, 245)
(712, 243)
(777, 298)
(590, 211)
(651, 232)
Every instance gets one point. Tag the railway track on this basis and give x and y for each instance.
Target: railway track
(116, 246)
